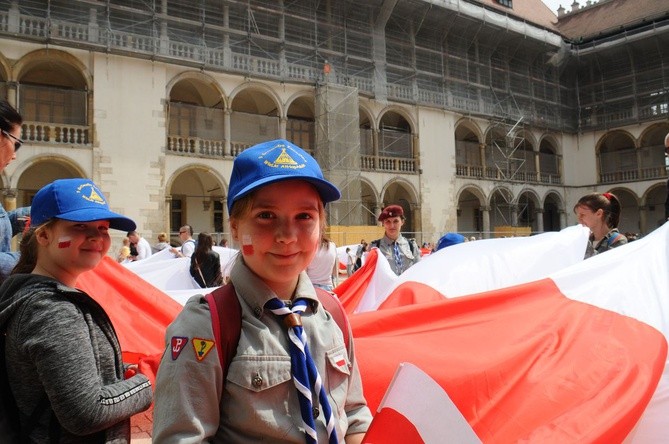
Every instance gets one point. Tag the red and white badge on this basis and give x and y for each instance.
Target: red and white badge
(178, 343)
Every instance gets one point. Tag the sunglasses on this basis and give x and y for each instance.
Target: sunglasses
(17, 142)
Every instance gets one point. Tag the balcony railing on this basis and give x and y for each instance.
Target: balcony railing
(494, 173)
(657, 172)
(388, 164)
(55, 133)
(195, 145)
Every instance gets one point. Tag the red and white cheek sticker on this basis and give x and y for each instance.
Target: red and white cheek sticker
(247, 244)
(64, 242)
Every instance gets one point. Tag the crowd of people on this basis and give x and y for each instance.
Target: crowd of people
(282, 385)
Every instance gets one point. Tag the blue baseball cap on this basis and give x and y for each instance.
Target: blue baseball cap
(449, 239)
(77, 200)
(272, 161)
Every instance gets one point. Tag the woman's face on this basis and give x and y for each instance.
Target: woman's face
(7, 144)
(589, 218)
(280, 233)
(70, 248)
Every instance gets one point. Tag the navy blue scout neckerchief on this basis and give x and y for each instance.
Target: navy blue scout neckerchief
(305, 374)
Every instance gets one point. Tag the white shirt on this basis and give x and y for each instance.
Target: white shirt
(320, 270)
(143, 249)
(188, 247)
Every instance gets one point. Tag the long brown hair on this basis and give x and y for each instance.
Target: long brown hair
(607, 202)
(29, 248)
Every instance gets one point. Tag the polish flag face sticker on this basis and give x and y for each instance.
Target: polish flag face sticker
(178, 343)
(64, 242)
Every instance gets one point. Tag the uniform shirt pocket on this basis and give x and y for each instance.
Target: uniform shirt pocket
(258, 373)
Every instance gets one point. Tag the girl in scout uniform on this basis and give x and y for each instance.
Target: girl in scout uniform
(276, 204)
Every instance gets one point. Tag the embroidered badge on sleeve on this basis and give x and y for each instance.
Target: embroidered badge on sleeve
(178, 343)
(202, 347)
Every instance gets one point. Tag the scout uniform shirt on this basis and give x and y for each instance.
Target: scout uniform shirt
(259, 399)
(386, 247)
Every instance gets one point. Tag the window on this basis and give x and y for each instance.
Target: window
(507, 3)
(218, 216)
(176, 214)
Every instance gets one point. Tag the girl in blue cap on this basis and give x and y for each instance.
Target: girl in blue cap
(63, 359)
(292, 378)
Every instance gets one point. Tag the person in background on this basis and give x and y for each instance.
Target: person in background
(187, 242)
(223, 243)
(205, 263)
(350, 262)
(162, 243)
(276, 202)
(323, 268)
(124, 252)
(62, 356)
(12, 222)
(400, 252)
(142, 245)
(600, 212)
(363, 248)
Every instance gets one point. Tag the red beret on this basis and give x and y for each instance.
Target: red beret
(391, 211)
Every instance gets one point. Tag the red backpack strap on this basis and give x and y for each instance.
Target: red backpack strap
(226, 322)
(332, 304)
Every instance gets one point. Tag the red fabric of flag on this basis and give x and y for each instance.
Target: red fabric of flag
(522, 364)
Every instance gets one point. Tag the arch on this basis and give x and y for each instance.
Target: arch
(615, 141)
(301, 104)
(72, 71)
(473, 189)
(367, 126)
(32, 175)
(527, 138)
(502, 205)
(549, 143)
(401, 192)
(365, 112)
(301, 120)
(400, 112)
(465, 123)
(652, 207)
(243, 92)
(369, 197)
(196, 193)
(617, 156)
(654, 135)
(470, 199)
(554, 208)
(396, 134)
(526, 205)
(5, 69)
(255, 116)
(199, 85)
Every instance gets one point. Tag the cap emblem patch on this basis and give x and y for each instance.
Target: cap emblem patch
(90, 193)
(283, 159)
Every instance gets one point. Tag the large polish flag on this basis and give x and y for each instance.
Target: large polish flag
(530, 342)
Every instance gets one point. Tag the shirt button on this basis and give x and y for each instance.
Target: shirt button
(257, 381)
(257, 312)
(315, 412)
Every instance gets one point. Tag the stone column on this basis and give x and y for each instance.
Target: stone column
(643, 219)
(227, 137)
(539, 213)
(485, 213)
(282, 127)
(563, 219)
(167, 218)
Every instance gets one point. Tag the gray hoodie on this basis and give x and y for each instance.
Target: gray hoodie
(61, 342)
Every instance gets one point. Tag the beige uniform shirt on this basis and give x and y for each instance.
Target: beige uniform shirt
(259, 398)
